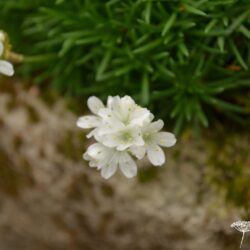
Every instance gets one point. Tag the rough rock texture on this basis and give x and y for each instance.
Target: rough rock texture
(51, 199)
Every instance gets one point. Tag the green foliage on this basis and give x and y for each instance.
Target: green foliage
(185, 59)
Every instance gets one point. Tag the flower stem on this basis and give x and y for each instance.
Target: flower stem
(19, 58)
(243, 234)
(38, 58)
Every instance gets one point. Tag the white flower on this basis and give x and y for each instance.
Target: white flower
(124, 110)
(242, 226)
(91, 121)
(153, 140)
(122, 122)
(6, 68)
(121, 138)
(109, 159)
(123, 129)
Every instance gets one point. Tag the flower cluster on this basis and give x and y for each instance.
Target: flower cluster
(6, 67)
(123, 131)
(241, 226)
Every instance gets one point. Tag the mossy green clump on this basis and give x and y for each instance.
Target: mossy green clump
(229, 168)
(147, 174)
(186, 59)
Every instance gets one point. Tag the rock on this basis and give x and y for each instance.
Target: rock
(51, 199)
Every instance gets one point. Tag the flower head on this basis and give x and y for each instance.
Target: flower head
(6, 68)
(123, 131)
(124, 111)
(122, 138)
(153, 139)
(109, 159)
(241, 226)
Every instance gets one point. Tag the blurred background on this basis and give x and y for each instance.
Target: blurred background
(187, 61)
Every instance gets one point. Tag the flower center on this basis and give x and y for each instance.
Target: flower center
(148, 137)
(126, 120)
(126, 136)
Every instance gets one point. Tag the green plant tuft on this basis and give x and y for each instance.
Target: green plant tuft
(188, 60)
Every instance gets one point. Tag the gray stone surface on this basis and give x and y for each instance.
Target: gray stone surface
(51, 199)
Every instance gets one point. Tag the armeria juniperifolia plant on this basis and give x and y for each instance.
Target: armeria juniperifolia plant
(123, 131)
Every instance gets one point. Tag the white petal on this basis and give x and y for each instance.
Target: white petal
(6, 68)
(92, 133)
(110, 122)
(86, 157)
(122, 147)
(127, 105)
(127, 100)
(88, 121)
(94, 104)
(92, 162)
(99, 155)
(165, 139)
(104, 129)
(109, 101)
(1, 48)
(155, 126)
(138, 152)
(109, 140)
(97, 150)
(127, 137)
(151, 117)
(109, 169)
(138, 141)
(128, 166)
(93, 148)
(106, 114)
(155, 155)
(140, 115)
(114, 103)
